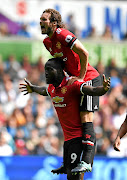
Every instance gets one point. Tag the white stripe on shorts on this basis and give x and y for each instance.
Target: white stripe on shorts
(89, 98)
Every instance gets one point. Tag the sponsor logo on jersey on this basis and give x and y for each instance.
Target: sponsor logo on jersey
(58, 55)
(60, 105)
(68, 38)
(58, 31)
(58, 45)
(57, 99)
(63, 90)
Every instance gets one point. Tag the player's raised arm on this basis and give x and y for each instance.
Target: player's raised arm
(29, 88)
(122, 131)
(83, 55)
(99, 90)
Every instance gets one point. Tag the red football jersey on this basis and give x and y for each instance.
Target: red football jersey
(66, 100)
(60, 45)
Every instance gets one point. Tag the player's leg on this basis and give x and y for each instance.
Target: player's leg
(82, 176)
(88, 105)
(62, 169)
(89, 143)
(74, 156)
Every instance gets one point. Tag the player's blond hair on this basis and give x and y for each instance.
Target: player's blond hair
(55, 16)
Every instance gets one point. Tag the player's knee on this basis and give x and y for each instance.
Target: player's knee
(86, 116)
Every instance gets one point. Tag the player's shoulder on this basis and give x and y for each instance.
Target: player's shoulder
(62, 32)
(46, 39)
(77, 84)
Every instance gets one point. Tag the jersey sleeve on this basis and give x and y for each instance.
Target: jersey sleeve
(49, 90)
(66, 37)
(77, 87)
(46, 43)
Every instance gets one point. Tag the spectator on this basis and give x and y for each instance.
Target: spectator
(26, 63)
(5, 148)
(23, 32)
(107, 35)
(93, 34)
(12, 66)
(4, 30)
(1, 69)
(70, 24)
(115, 80)
(20, 148)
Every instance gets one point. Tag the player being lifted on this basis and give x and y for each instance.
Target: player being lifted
(62, 43)
(66, 100)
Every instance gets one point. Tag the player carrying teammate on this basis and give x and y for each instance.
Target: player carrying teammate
(62, 43)
(66, 99)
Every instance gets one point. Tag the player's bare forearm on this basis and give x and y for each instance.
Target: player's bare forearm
(83, 55)
(84, 63)
(123, 129)
(40, 90)
(94, 91)
(30, 88)
(97, 91)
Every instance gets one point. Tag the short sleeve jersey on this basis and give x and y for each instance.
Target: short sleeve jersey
(60, 45)
(66, 100)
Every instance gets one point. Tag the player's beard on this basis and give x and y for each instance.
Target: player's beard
(49, 30)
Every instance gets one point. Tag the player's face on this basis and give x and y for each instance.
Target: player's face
(46, 25)
(50, 74)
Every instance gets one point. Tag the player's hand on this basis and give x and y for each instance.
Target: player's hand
(116, 144)
(72, 79)
(106, 83)
(26, 88)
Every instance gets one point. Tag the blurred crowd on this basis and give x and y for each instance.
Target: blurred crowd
(29, 124)
(25, 31)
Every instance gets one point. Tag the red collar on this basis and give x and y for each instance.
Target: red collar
(63, 83)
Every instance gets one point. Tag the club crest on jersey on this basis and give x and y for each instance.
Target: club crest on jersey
(58, 55)
(57, 99)
(64, 90)
(58, 45)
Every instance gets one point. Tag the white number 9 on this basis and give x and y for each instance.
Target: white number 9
(73, 157)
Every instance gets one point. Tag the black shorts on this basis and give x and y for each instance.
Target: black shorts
(72, 153)
(91, 103)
